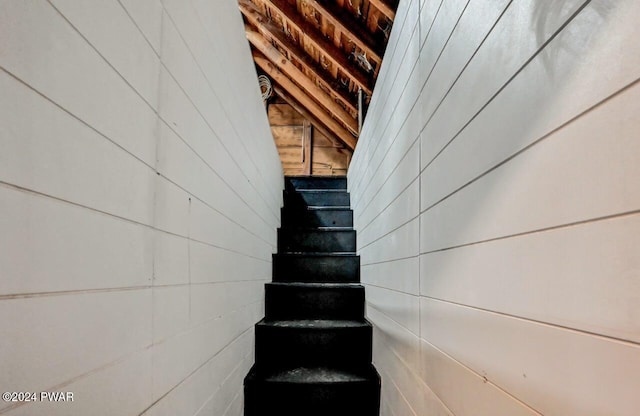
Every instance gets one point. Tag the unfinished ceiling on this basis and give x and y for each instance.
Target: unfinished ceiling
(321, 56)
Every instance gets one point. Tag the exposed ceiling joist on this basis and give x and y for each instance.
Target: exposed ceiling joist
(301, 96)
(349, 26)
(285, 66)
(331, 52)
(274, 34)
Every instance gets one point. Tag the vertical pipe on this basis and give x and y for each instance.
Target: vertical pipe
(360, 110)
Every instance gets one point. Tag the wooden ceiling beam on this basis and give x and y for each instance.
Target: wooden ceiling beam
(285, 66)
(348, 25)
(274, 34)
(301, 96)
(328, 49)
(384, 8)
(306, 114)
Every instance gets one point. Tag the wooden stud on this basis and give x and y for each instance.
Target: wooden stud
(307, 144)
(307, 107)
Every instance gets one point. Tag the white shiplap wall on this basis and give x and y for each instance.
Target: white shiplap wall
(497, 201)
(139, 200)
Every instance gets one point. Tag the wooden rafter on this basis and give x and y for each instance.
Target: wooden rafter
(348, 25)
(286, 67)
(299, 95)
(384, 8)
(332, 53)
(274, 34)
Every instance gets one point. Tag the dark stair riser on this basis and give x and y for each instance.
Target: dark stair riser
(288, 347)
(309, 218)
(316, 182)
(264, 398)
(316, 268)
(287, 301)
(319, 241)
(316, 198)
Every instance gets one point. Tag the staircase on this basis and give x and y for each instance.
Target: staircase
(313, 348)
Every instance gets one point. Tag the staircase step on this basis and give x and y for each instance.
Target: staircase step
(316, 217)
(315, 182)
(308, 301)
(316, 240)
(316, 391)
(318, 198)
(316, 268)
(336, 343)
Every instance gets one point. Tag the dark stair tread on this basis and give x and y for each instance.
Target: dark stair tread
(317, 254)
(314, 323)
(315, 229)
(316, 182)
(320, 375)
(321, 208)
(319, 285)
(318, 190)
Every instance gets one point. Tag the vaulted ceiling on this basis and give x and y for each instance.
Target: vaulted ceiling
(321, 56)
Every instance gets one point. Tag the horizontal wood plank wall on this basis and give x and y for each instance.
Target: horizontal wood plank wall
(496, 197)
(287, 126)
(140, 193)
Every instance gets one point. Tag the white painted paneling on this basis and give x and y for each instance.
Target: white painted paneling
(400, 211)
(470, 31)
(554, 370)
(172, 205)
(212, 301)
(170, 259)
(401, 243)
(171, 311)
(82, 331)
(580, 277)
(406, 379)
(52, 246)
(139, 179)
(440, 32)
(44, 51)
(565, 178)
(188, 396)
(400, 176)
(573, 80)
(128, 380)
(524, 28)
(213, 264)
(178, 357)
(401, 275)
(399, 306)
(465, 392)
(490, 95)
(147, 15)
(403, 342)
(106, 25)
(55, 154)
